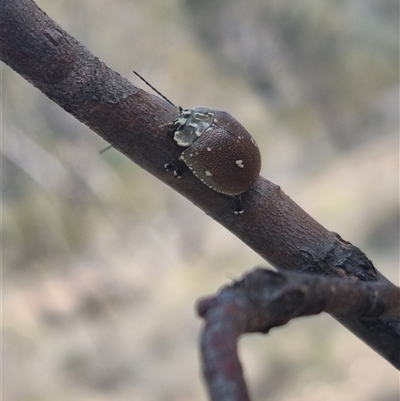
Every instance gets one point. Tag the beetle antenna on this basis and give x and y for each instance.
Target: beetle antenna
(157, 91)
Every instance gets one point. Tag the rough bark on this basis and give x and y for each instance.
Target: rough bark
(264, 299)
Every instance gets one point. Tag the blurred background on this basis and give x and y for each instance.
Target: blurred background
(103, 264)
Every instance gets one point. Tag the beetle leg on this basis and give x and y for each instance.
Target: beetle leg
(176, 167)
(105, 149)
(168, 124)
(239, 207)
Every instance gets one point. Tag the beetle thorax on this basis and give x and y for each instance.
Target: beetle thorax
(191, 124)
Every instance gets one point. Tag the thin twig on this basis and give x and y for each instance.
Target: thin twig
(265, 299)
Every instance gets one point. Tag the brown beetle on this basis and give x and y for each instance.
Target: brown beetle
(220, 152)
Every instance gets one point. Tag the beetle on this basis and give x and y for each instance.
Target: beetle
(219, 150)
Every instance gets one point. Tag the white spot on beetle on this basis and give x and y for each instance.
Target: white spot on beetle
(181, 120)
(209, 149)
(198, 133)
(239, 163)
(208, 174)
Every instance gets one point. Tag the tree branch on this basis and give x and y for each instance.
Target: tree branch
(136, 123)
(265, 299)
